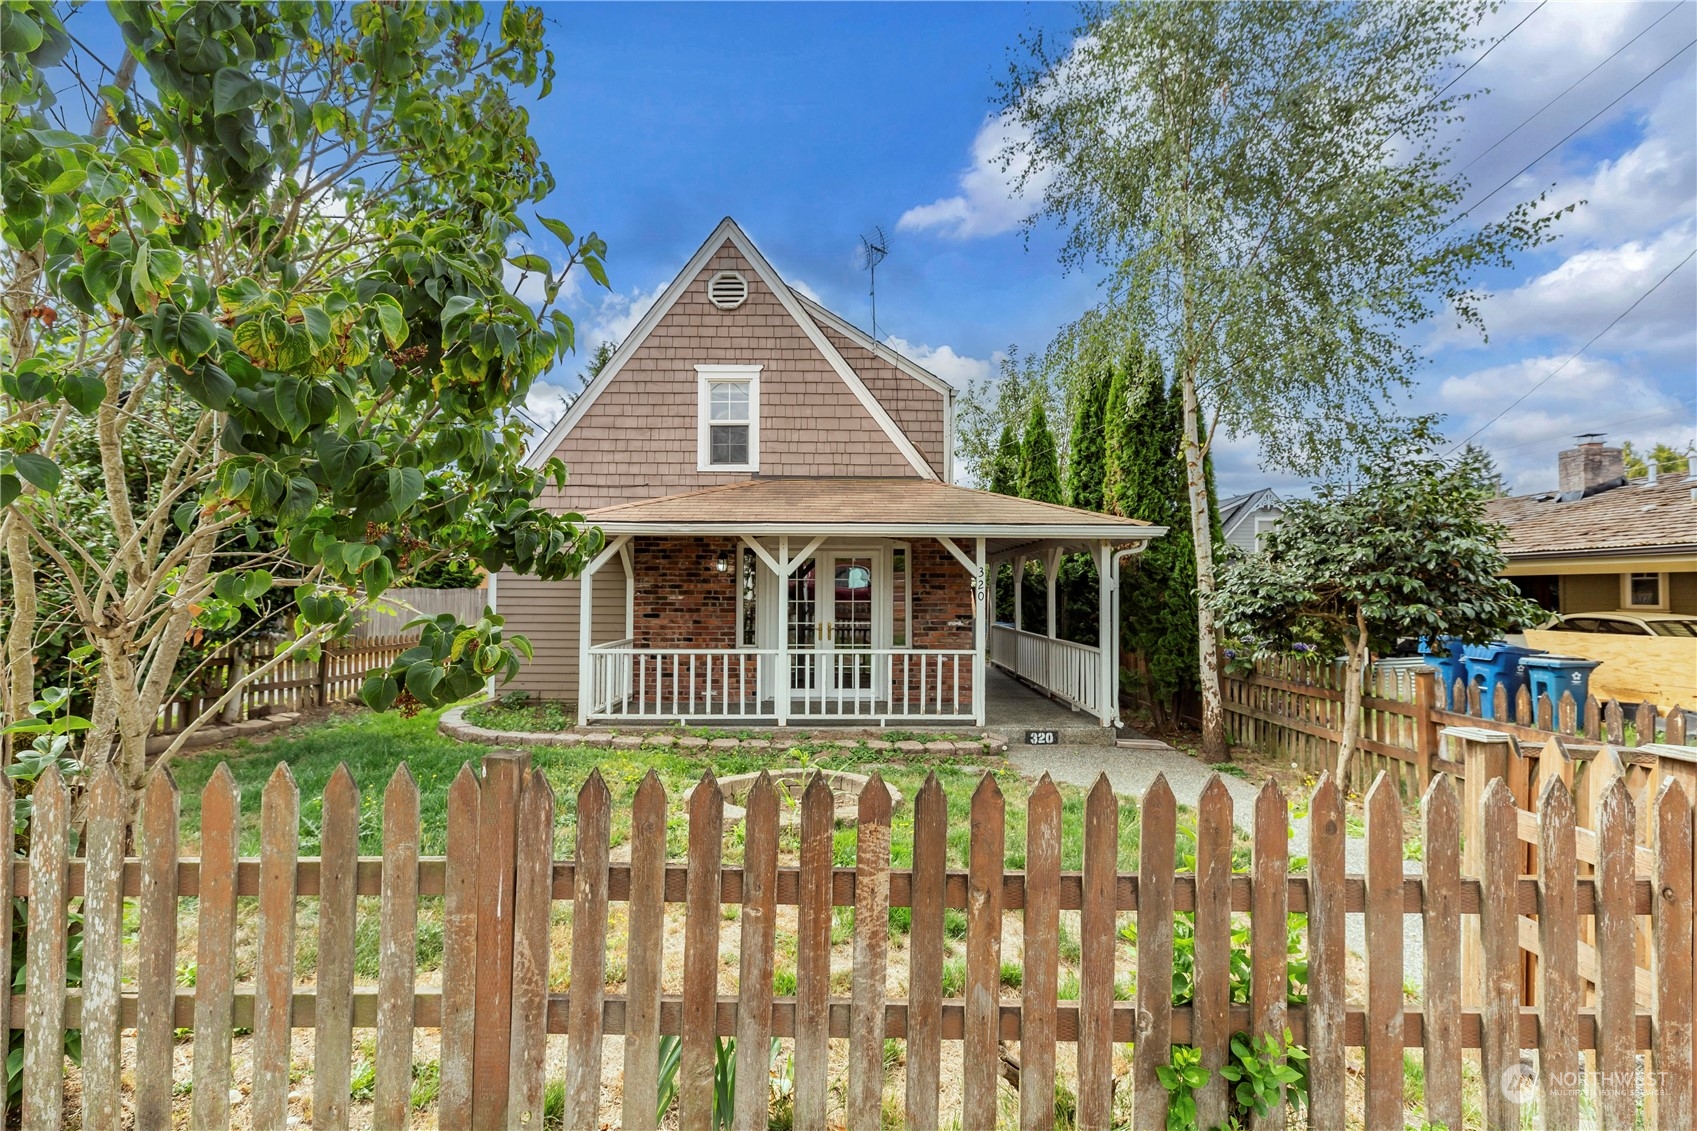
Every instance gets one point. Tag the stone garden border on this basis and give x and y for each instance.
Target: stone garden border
(974, 742)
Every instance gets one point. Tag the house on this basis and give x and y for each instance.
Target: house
(1245, 518)
(785, 542)
(1601, 542)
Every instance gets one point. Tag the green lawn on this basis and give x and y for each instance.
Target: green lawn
(373, 745)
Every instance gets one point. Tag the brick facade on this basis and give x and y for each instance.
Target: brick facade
(682, 601)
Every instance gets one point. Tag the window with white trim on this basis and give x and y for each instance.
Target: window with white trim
(728, 437)
(1644, 591)
(1264, 524)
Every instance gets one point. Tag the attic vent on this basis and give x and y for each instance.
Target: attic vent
(727, 290)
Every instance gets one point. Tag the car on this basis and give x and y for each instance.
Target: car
(1626, 624)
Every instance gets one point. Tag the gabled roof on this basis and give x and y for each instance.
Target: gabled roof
(868, 506)
(1655, 520)
(1239, 507)
(728, 230)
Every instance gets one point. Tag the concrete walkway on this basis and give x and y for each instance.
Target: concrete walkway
(1131, 770)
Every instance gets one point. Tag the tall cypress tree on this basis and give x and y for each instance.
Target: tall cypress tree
(1039, 463)
(1087, 451)
(1004, 465)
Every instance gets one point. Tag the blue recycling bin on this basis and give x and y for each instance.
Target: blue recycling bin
(1446, 657)
(1493, 664)
(1553, 675)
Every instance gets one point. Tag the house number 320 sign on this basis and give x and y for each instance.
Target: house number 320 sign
(1042, 737)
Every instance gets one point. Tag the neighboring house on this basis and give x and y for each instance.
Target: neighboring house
(784, 542)
(1602, 543)
(1245, 519)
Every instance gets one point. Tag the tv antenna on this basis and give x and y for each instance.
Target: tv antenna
(873, 249)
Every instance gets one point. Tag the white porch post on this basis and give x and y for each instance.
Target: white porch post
(1019, 592)
(1106, 635)
(781, 677)
(585, 625)
(981, 635)
(1051, 566)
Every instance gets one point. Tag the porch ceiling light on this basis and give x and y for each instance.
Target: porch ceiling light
(723, 562)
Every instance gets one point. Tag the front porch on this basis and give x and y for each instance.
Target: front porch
(769, 617)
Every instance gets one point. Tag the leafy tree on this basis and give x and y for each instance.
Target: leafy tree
(1406, 552)
(1087, 470)
(279, 263)
(1482, 466)
(1146, 477)
(985, 409)
(1039, 462)
(1268, 189)
(1669, 460)
(1004, 463)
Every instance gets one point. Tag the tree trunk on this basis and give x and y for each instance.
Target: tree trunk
(20, 629)
(1355, 678)
(1214, 748)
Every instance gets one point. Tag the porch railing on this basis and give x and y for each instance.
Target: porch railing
(703, 684)
(1071, 671)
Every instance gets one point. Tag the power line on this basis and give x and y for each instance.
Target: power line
(1551, 374)
(1570, 136)
(1617, 52)
(1494, 45)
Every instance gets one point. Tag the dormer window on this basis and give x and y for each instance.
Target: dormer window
(728, 436)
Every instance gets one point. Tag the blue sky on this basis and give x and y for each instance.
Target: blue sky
(812, 123)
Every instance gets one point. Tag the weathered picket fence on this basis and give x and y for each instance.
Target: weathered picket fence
(1293, 706)
(299, 682)
(500, 879)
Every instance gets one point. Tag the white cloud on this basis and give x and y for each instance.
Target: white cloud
(547, 402)
(1579, 296)
(616, 315)
(804, 290)
(1589, 395)
(986, 204)
(955, 368)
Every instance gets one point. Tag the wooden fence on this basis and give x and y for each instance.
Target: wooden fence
(499, 1002)
(296, 684)
(398, 606)
(1294, 707)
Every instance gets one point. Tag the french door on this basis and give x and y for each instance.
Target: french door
(838, 613)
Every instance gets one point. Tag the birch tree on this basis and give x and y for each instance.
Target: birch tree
(1266, 189)
(279, 243)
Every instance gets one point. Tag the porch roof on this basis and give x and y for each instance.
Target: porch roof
(868, 507)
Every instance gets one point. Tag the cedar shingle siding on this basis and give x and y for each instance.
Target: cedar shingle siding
(638, 440)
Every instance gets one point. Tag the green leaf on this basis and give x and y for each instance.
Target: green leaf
(422, 679)
(207, 384)
(406, 486)
(560, 230)
(38, 469)
(294, 405)
(234, 89)
(378, 692)
(196, 335)
(10, 488)
(392, 321)
(83, 391)
(595, 269)
(531, 262)
(19, 34)
(456, 308)
(317, 325)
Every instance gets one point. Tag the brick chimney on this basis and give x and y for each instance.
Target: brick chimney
(1591, 467)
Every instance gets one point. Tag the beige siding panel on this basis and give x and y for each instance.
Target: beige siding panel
(1682, 593)
(638, 440)
(547, 613)
(917, 409)
(1590, 592)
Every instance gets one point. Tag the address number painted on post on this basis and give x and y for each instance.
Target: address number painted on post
(1042, 737)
